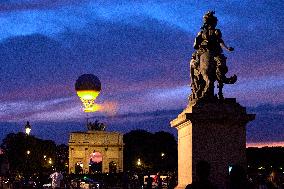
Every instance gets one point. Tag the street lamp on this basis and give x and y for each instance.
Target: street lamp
(139, 162)
(28, 128)
(50, 161)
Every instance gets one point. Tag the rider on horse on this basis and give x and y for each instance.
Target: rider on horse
(209, 39)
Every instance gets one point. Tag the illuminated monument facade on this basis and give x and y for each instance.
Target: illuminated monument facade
(211, 128)
(95, 151)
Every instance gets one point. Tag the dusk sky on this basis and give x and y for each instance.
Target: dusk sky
(140, 51)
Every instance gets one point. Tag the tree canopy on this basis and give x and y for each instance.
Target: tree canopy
(156, 152)
(28, 154)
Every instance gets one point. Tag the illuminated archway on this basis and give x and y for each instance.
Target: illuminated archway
(112, 167)
(95, 164)
(79, 167)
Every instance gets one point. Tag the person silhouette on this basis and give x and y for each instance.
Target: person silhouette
(56, 178)
(203, 173)
(149, 181)
(274, 182)
(238, 178)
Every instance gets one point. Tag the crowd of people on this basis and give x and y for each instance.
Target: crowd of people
(238, 179)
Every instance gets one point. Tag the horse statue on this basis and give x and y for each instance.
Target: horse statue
(208, 63)
(96, 126)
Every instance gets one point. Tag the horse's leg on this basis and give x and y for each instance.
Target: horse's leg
(220, 92)
(206, 79)
(210, 90)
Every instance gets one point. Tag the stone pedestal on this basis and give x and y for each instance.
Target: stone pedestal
(213, 132)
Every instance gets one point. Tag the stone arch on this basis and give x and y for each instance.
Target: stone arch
(95, 162)
(79, 167)
(112, 167)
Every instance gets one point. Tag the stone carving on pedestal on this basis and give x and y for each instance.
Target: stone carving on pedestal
(211, 128)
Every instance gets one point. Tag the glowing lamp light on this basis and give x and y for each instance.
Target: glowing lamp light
(28, 128)
(88, 87)
(88, 98)
(88, 94)
(139, 162)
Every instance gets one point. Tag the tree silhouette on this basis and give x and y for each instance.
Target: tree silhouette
(157, 152)
(26, 153)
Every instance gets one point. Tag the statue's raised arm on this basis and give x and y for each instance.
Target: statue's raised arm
(208, 63)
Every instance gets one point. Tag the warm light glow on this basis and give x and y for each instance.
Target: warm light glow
(139, 162)
(109, 108)
(261, 168)
(265, 144)
(80, 164)
(96, 157)
(88, 99)
(93, 108)
(28, 152)
(162, 154)
(28, 130)
(50, 161)
(88, 94)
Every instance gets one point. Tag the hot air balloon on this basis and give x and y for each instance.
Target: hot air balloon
(88, 87)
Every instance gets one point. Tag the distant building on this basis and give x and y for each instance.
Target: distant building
(95, 151)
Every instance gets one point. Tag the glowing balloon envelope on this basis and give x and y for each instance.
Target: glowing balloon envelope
(88, 87)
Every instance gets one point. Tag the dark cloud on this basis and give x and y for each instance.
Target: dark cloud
(268, 125)
(33, 65)
(131, 53)
(121, 55)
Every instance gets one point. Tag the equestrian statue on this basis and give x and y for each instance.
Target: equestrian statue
(208, 63)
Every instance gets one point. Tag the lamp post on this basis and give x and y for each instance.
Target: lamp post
(28, 128)
(27, 131)
(139, 162)
(50, 161)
